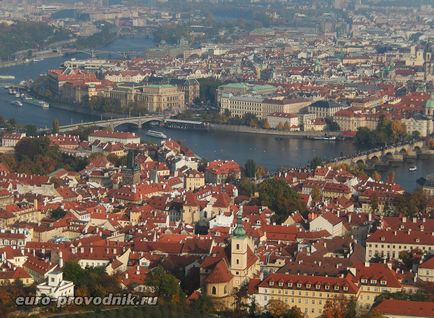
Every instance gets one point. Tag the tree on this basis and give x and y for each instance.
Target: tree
(166, 285)
(276, 194)
(250, 168)
(31, 130)
(277, 308)
(246, 187)
(391, 177)
(286, 126)
(58, 213)
(203, 304)
(351, 308)
(376, 176)
(374, 203)
(376, 259)
(266, 124)
(315, 162)
(55, 126)
(261, 171)
(316, 194)
(334, 308)
(280, 126)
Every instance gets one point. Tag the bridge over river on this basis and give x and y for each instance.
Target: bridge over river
(138, 121)
(385, 155)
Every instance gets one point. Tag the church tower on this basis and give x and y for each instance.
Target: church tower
(239, 252)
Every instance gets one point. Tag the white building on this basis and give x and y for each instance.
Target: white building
(11, 140)
(114, 136)
(329, 222)
(55, 286)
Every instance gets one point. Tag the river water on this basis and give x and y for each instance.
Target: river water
(265, 150)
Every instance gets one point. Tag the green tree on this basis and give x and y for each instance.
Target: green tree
(315, 162)
(166, 285)
(31, 130)
(276, 194)
(246, 187)
(57, 213)
(250, 168)
(55, 126)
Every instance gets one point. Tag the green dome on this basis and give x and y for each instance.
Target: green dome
(430, 102)
(239, 230)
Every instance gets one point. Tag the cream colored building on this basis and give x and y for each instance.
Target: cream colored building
(421, 124)
(388, 244)
(308, 293)
(425, 271)
(259, 106)
(157, 98)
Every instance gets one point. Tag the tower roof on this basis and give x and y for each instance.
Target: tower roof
(430, 102)
(239, 230)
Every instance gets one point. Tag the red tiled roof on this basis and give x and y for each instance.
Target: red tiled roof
(406, 308)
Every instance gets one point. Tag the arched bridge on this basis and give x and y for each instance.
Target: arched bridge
(387, 154)
(113, 123)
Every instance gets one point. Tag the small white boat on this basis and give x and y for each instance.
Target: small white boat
(17, 103)
(6, 77)
(44, 104)
(157, 134)
(414, 168)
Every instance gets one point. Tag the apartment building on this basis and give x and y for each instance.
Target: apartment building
(388, 244)
(309, 293)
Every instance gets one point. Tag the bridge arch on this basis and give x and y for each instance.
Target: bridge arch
(417, 149)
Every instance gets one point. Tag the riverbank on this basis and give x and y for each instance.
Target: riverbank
(30, 61)
(277, 133)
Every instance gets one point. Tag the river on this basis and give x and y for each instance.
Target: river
(264, 149)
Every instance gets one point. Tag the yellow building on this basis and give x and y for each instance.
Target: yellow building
(157, 98)
(309, 293)
(193, 180)
(259, 106)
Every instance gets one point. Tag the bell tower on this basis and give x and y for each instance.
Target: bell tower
(239, 248)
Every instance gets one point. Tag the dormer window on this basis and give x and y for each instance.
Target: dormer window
(299, 285)
(417, 240)
(336, 287)
(271, 283)
(345, 288)
(280, 284)
(289, 285)
(364, 281)
(318, 286)
(383, 239)
(373, 281)
(308, 285)
(327, 287)
(383, 282)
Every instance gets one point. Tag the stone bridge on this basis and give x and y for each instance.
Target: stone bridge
(387, 154)
(138, 121)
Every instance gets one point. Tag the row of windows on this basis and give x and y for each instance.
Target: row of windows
(317, 286)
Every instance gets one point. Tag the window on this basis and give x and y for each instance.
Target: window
(238, 246)
(289, 284)
(318, 286)
(214, 290)
(327, 287)
(336, 287)
(271, 283)
(281, 284)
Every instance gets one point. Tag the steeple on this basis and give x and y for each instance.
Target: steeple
(239, 230)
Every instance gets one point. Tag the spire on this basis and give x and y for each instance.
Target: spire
(239, 229)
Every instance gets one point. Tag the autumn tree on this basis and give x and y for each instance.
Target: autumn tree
(316, 194)
(261, 171)
(376, 176)
(334, 308)
(391, 177)
(277, 308)
(266, 124)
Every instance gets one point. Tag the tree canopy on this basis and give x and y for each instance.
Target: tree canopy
(276, 194)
